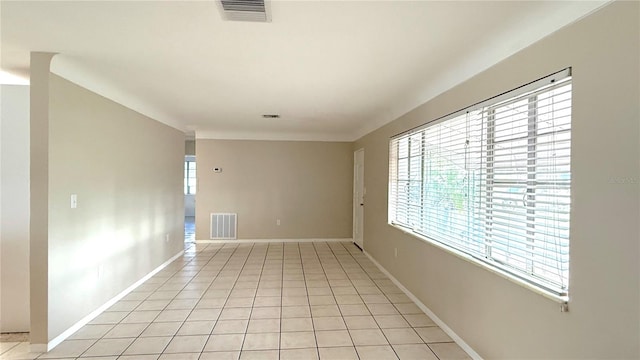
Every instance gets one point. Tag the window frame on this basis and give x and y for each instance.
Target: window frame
(490, 105)
(189, 167)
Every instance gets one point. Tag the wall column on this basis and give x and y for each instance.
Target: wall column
(39, 203)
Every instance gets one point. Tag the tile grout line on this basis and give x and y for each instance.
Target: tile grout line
(212, 258)
(253, 247)
(152, 321)
(281, 295)
(163, 309)
(157, 289)
(313, 324)
(394, 305)
(194, 308)
(95, 341)
(240, 258)
(244, 335)
(339, 309)
(384, 294)
(306, 289)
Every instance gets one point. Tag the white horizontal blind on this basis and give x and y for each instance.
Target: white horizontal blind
(494, 182)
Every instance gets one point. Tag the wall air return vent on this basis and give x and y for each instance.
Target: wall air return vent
(224, 226)
(245, 10)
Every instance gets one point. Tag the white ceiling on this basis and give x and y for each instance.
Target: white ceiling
(333, 70)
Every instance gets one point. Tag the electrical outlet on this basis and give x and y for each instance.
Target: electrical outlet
(395, 252)
(166, 237)
(278, 222)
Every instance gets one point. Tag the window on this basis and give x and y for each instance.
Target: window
(493, 182)
(189, 175)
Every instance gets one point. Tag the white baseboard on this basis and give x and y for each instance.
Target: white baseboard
(270, 241)
(60, 338)
(431, 314)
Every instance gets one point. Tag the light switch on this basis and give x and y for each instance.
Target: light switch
(74, 201)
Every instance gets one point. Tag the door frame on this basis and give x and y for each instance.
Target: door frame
(358, 201)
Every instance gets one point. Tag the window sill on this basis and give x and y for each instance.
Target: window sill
(563, 300)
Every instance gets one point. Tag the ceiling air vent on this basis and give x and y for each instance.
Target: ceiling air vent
(245, 10)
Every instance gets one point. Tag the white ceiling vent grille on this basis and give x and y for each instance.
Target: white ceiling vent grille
(245, 10)
(224, 226)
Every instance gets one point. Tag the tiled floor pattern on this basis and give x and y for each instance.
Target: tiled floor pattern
(260, 301)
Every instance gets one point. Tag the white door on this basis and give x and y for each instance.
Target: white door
(358, 197)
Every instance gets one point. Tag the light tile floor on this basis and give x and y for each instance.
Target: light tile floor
(260, 301)
(189, 229)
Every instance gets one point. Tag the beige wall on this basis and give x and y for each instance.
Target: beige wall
(496, 317)
(127, 171)
(307, 185)
(190, 147)
(14, 213)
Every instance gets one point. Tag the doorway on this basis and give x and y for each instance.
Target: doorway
(190, 184)
(358, 198)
